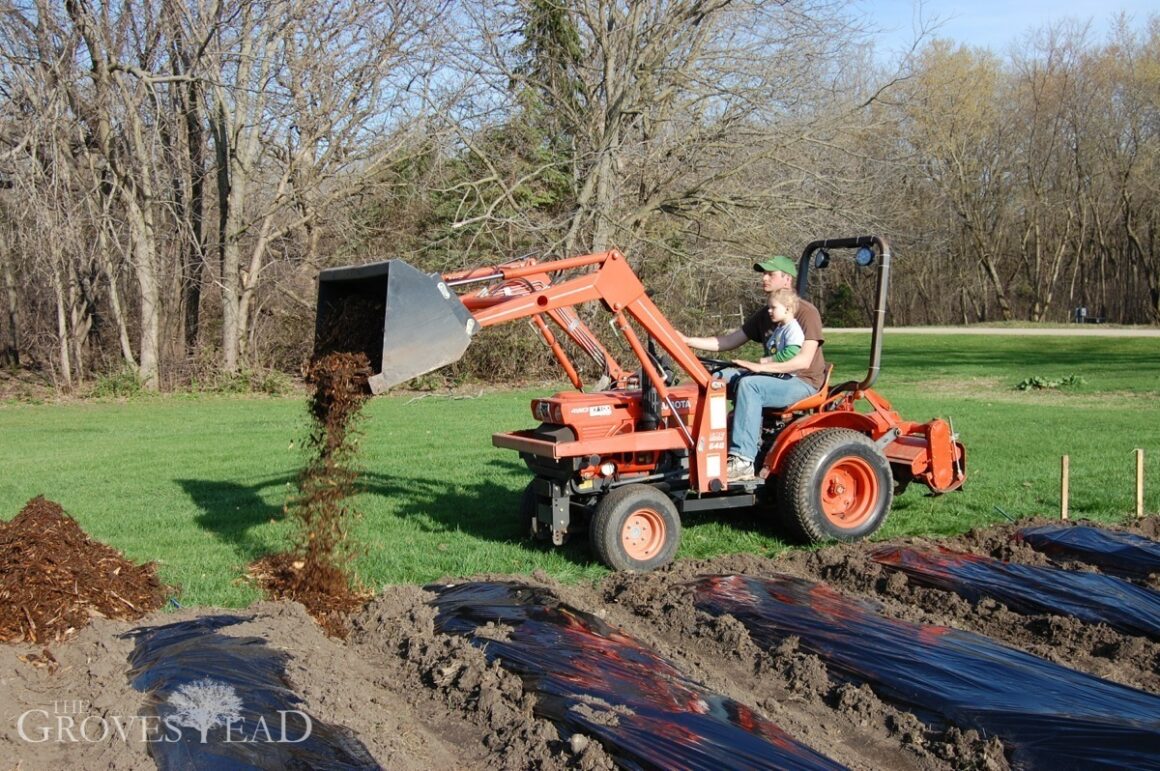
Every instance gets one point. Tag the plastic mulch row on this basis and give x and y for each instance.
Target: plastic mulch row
(1125, 553)
(1048, 716)
(590, 678)
(221, 702)
(1090, 597)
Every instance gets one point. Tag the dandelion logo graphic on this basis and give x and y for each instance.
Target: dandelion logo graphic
(205, 704)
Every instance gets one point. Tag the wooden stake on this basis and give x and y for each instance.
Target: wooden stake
(1139, 484)
(1063, 473)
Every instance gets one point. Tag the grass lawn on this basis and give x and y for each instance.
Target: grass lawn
(198, 484)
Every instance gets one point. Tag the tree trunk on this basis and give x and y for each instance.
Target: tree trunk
(193, 265)
(62, 336)
(992, 274)
(236, 138)
(115, 305)
(1140, 256)
(80, 320)
(10, 347)
(144, 248)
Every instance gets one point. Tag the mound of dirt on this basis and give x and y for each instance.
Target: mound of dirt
(54, 578)
(420, 698)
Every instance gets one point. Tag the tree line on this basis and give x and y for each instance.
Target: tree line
(173, 175)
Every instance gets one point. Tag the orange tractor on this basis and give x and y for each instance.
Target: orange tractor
(625, 460)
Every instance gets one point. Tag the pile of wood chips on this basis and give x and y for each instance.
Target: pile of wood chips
(54, 578)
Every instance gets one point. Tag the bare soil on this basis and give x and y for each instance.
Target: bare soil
(418, 699)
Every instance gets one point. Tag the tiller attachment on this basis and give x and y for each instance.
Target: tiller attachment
(406, 322)
(928, 453)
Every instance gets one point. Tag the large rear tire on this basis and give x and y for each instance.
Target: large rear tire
(836, 486)
(635, 528)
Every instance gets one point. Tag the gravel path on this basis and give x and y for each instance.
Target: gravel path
(1072, 330)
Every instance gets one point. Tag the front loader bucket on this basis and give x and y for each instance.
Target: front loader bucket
(406, 322)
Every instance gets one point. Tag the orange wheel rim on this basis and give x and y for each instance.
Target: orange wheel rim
(849, 492)
(643, 534)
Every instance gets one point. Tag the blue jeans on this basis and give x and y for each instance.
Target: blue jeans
(752, 393)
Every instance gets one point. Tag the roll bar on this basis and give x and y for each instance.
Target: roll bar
(882, 253)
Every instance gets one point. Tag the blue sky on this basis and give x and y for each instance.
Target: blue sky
(998, 23)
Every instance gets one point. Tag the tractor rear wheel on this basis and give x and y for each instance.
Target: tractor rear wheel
(836, 486)
(635, 527)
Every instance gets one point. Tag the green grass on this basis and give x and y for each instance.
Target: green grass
(198, 484)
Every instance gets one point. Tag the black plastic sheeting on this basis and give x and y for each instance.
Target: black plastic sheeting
(1090, 597)
(1124, 553)
(1048, 716)
(590, 678)
(235, 689)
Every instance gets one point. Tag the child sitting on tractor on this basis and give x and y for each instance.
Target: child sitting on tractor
(786, 338)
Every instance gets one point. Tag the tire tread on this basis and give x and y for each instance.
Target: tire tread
(796, 488)
(607, 521)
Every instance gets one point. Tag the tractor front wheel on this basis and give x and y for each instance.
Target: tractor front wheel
(836, 486)
(636, 528)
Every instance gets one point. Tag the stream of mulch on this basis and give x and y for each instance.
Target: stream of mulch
(316, 569)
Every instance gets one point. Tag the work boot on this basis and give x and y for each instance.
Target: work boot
(739, 469)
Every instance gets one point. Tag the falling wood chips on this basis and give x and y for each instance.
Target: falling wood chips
(54, 578)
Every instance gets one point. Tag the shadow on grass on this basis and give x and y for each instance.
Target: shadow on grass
(231, 511)
(487, 510)
(762, 519)
(490, 511)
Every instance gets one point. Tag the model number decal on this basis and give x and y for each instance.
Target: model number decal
(599, 410)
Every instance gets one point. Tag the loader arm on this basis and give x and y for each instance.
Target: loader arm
(564, 318)
(612, 282)
(426, 324)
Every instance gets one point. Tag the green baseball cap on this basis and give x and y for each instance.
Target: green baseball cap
(784, 264)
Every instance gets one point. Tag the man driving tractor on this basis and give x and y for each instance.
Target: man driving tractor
(756, 385)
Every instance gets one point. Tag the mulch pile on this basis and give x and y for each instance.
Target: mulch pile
(323, 587)
(54, 578)
(315, 571)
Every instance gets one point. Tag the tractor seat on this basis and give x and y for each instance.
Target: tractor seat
(811, 402)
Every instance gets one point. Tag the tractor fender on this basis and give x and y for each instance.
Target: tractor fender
(792, 435)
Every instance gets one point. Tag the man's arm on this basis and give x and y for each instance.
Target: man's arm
(800, 360)
(726, 342)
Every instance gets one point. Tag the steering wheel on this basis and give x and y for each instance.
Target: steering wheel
(715, 365)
